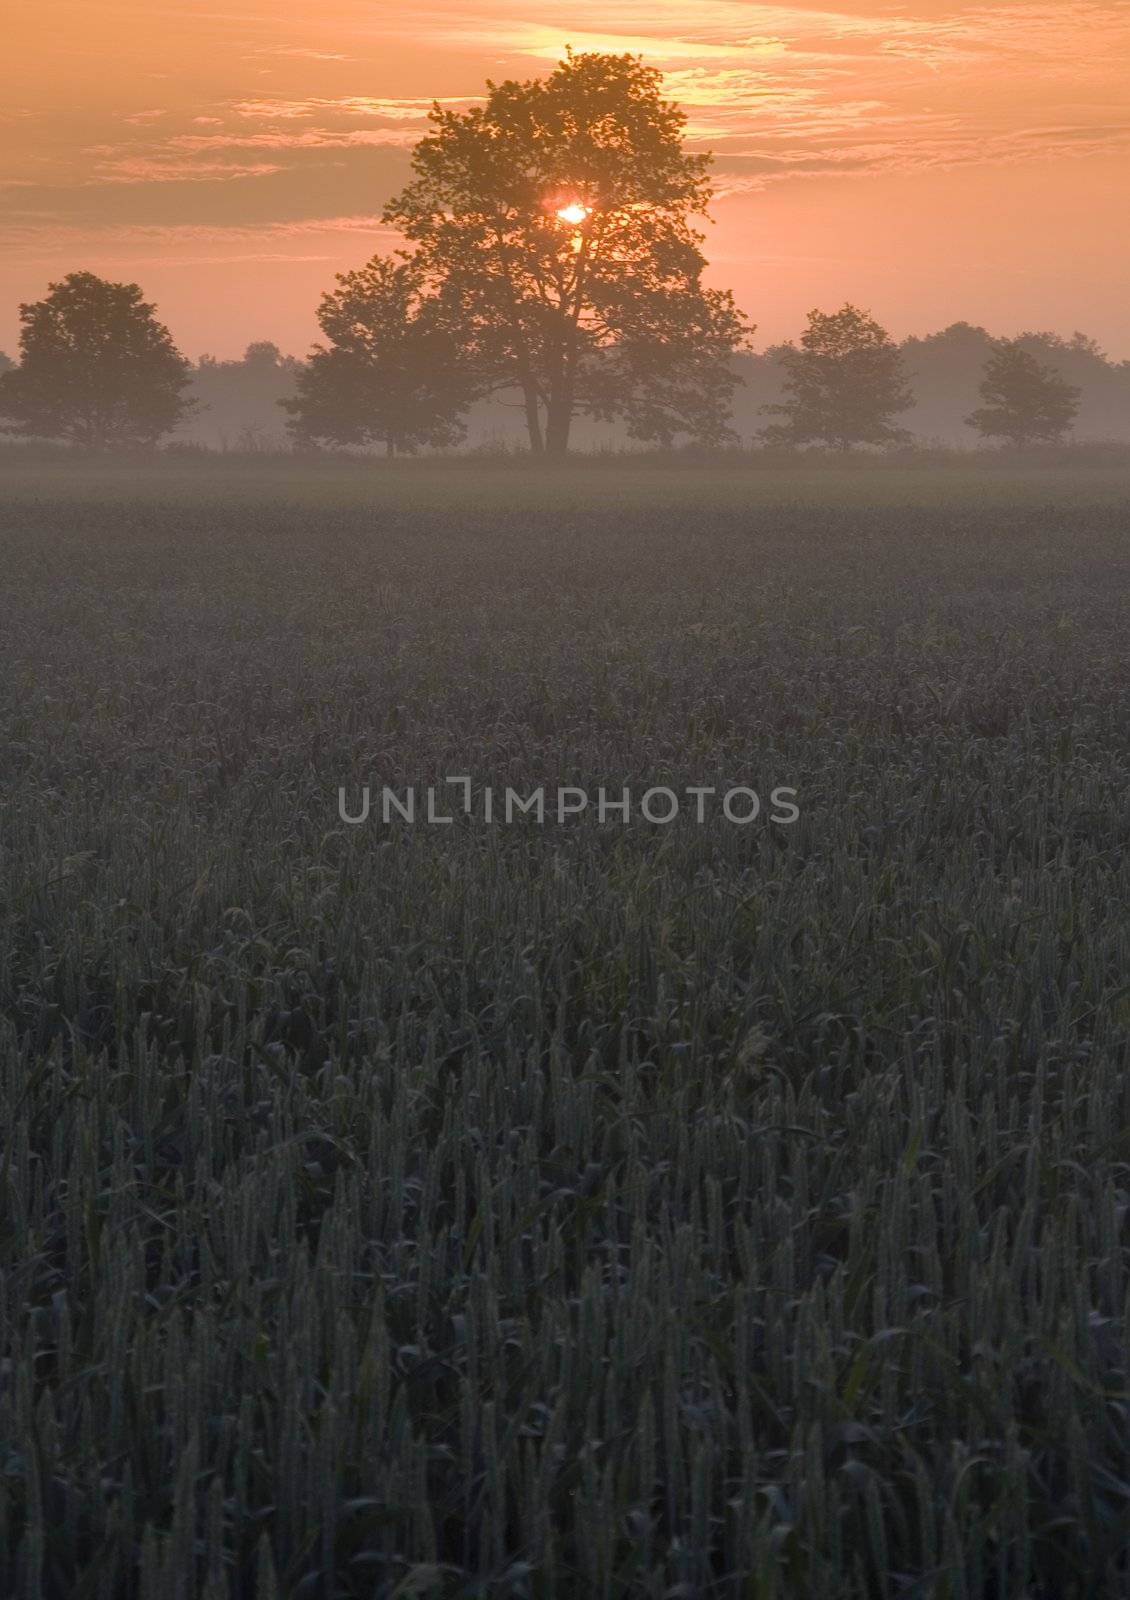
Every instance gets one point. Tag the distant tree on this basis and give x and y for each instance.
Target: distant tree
(843, 386)
(96, 368)
(1025, 401)
(6, 362)
(391, 373)
(263, 354)
(239, 400)
(554, 220)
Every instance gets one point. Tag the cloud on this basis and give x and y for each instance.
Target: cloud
(347, 106)
(168, 169)
(298, 53)
(257, 187)
(49, 240)
(779, 92)
(285, 139)
(756, 169)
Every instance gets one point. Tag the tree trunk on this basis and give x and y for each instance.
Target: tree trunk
(559, 422)
(557, 430)
(563, 392)
(533, 420)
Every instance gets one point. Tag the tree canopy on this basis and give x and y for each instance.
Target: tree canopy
(391, 371)
(843, 386)
(553, 222)
(1026, 401)
(96, 368)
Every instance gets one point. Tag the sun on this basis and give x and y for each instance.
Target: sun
(575, 213)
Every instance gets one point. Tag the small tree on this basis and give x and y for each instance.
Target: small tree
(96, 368)
(391, 372)
(1025, 401)
(843, 386)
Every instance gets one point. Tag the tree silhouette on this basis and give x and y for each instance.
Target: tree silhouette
(553, 222)
(843, 386)
(391, 372)
(1025, 400)
(96, 368)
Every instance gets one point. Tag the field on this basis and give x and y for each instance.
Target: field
(564, 1208)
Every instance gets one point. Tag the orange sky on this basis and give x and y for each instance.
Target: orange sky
(929, 160)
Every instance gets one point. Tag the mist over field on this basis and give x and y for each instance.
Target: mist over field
(239, 399)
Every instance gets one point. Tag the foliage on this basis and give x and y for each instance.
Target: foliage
(391, 372)
(606, 315)
(1026, 401)
(616, 1210)
(96, 368)
(843, 386)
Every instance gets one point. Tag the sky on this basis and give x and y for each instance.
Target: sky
(928, 160)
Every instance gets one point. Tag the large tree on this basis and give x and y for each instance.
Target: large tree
(843, 386)
(553, 221)
(96, 368)
(390, 372)
(1025, 400)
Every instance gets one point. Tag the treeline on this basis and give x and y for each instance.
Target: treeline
(945, 371)
(239, 400)
(552, 287)
(846, 384)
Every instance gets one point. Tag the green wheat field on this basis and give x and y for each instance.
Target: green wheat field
(564, 1209)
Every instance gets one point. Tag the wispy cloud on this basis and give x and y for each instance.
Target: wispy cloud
(296, 52)
(344, 106)
(857, 86)
(49, 238)
(295, 139)
(170, 169)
